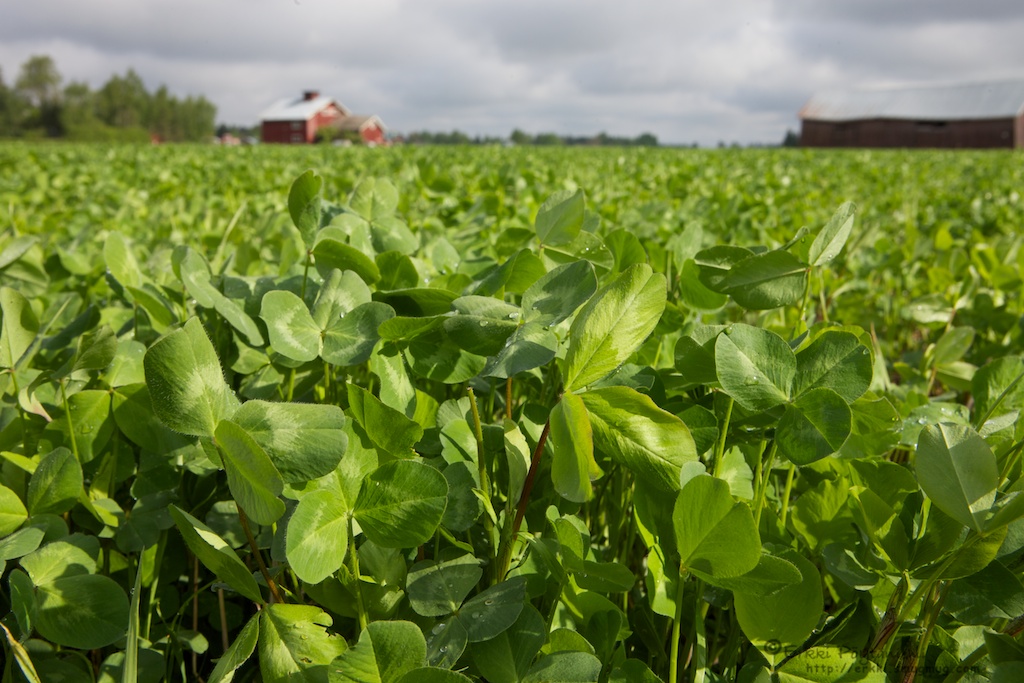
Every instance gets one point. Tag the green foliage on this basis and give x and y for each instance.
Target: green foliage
(509, 415)
(122, 110)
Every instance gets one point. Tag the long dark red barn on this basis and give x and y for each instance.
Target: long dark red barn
(969, 115)
(298, 120)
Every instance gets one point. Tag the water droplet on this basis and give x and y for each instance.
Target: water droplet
(476, 615)
(750, 381)
(437, 629)
(443, 648)
(513, 315)
(488, 602)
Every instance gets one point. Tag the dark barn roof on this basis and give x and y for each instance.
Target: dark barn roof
(965, 101)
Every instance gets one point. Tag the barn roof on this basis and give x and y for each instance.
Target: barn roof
(299, 108)
(353, 122)
(992, 100)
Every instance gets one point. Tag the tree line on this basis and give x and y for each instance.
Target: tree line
(519, 137)
(39, 105)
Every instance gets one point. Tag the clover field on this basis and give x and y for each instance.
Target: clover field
(433, 414)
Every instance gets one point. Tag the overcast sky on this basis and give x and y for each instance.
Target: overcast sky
(686, 70)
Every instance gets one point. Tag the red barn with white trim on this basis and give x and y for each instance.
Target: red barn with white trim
(297, 120)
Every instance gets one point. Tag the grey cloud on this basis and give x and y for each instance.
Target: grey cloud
(899, 12)
(706, 69)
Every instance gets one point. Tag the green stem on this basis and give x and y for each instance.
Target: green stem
(222, 610)
(481, 461)
(929, 615)
(764, 472)
(485, 480)
(71, 422)
(803, 303)
(673, 655)
(328, 399)
(822, 301)
(786, 494)
(291, 385)
(354, 568)
(21, 411)
(700, 639)
(1013, 629)
(158, 561)
(888, 625)
(1002, 397)
(926, 586)
(1012, 456)
(195, 612)
(305, 275)
(508, 398)
(723, 432)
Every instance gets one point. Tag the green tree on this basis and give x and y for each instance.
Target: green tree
(122, 101)
(162, 115)
(647, 140)
(10, 110)
(38, 85)
(197, 116)
(519, 137)
(548, 139)
(78, 107)
(39, 81)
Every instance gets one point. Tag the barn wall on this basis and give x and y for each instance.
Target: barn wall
(325, 117)
(1018, 131)
(372, 134)
(286, 132)
(988, 133)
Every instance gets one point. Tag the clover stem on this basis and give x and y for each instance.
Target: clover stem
(723, 432)
(485, 480)
(764, 472)
(291, 385)
(786, 493)
(700, 638)
(305, 274)
(158, 562)
(481, 461)
(508, 398)
(327, 384)
(929, 614)
(195, 609)
(71, 422)
(354, 568)
(274, 592)
(505, 558)
(21, 411)
(673, 656)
